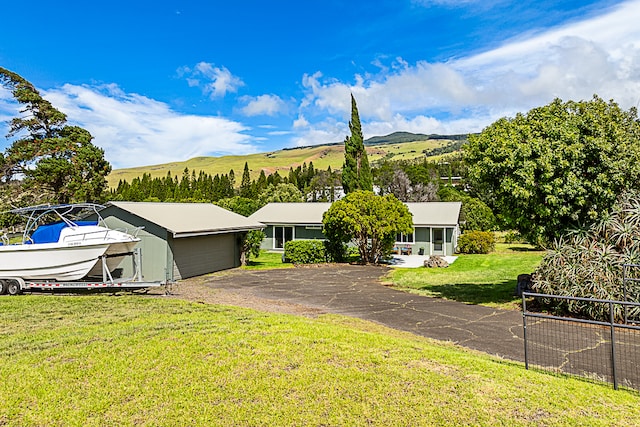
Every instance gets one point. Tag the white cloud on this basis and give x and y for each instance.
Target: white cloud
(135, 130)
(215, 82)
(279, 133)
(268, 105)
(300, 123)
(600, 55)
(327, 131)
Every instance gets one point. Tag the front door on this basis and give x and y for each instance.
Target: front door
(438, 241)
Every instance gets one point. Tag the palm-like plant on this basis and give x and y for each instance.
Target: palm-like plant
(590, 262)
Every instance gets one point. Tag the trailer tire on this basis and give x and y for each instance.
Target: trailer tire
(13, 288)
(3, 287)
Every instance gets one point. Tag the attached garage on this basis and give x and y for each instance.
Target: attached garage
(181, 240)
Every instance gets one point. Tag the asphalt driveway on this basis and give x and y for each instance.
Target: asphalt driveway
(357, 291)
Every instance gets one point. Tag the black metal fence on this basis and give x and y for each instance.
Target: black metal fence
(598, 350)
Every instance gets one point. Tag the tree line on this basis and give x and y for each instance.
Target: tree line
(192, 186)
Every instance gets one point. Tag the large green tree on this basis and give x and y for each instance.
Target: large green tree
(557, 167)
(57, 161)
(281, 193)
(369, 221)
(356, 172)
(475, 215)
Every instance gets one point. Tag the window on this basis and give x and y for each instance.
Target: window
(404, 238)
(281, 235)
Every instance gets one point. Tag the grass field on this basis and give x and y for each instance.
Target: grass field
(267, 260)
(321, 156)
(96, 360)
(476, 279)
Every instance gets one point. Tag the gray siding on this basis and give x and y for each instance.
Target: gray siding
(449, 243)
(194, 256)
(300, 232)
(166, 258)
(267, 242)
(155, 263)
(303, 233)
(422, 238)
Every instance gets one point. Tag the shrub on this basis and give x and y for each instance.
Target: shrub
(589, 263)
(476, 242)
(336, 251)
(512, 236)
(305, 251)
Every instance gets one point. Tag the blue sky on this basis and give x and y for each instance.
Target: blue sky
(159, 81)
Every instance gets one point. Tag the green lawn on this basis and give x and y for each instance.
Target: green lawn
(97, 360)
(477, 279)
(267, 260)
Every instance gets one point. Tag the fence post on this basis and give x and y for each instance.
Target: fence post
(524, 326)
(613, 346)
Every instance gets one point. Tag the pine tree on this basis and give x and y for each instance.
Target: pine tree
(245, 184)
(261, 184)
(356, 173)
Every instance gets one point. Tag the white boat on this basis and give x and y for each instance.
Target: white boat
(64, 250)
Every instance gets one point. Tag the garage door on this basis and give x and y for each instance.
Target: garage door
(194, 256)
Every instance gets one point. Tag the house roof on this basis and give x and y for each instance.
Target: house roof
(291, 213)
(424, 213)
(189, 219)
(435, 213)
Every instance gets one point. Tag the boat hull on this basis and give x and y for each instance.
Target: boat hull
(116, 253)
(63, 250)
(49, 261)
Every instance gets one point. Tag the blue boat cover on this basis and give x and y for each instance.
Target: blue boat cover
(50, 233)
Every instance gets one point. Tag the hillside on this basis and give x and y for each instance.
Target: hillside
(397, 146)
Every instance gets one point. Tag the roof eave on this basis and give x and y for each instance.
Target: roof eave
(182, 234)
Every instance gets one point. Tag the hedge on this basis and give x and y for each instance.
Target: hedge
(305, 251)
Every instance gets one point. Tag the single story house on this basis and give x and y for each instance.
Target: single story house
(436, 226)
(180, 240)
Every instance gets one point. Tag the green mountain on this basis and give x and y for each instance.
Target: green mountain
(396, 146)
(400, 137)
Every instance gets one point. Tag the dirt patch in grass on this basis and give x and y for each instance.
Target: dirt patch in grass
(196, 289)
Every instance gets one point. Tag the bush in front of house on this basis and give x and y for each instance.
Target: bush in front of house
(305, 251)
(476, 242)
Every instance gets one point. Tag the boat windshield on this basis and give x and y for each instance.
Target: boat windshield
(45, 222)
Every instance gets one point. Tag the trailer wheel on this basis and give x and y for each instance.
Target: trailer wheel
(13, 288)
(3, 287)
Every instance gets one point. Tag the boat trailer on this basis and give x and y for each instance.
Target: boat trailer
(17, 285)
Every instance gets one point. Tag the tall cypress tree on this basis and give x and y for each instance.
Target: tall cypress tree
(356, 173)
